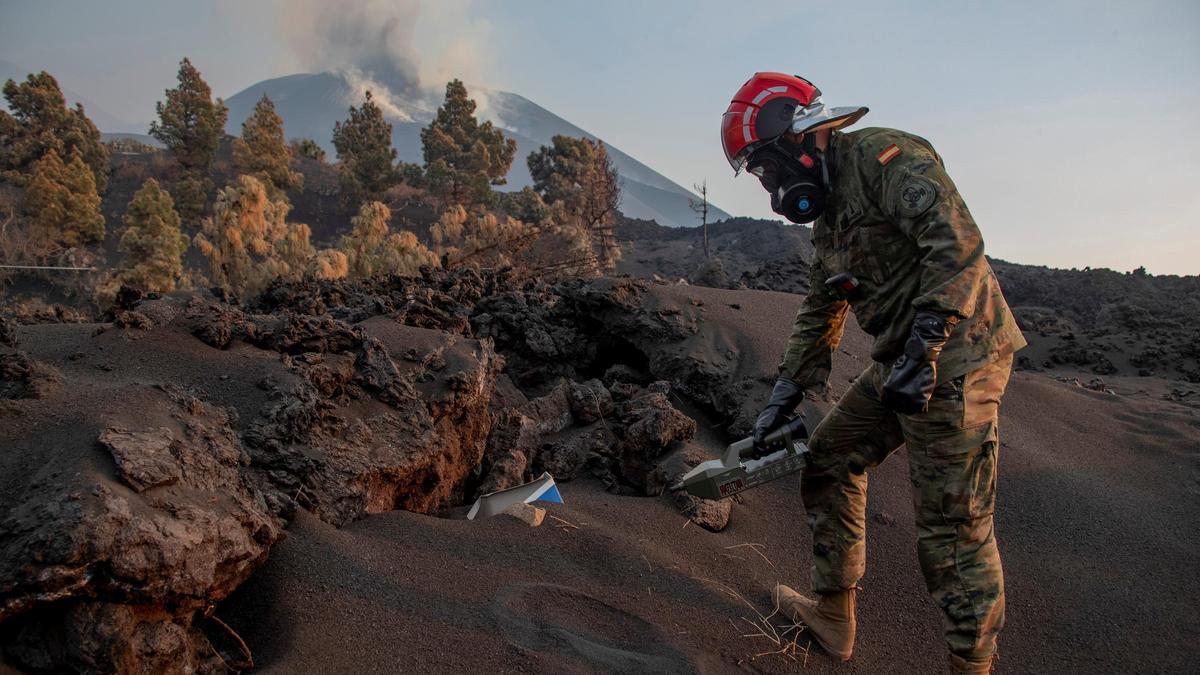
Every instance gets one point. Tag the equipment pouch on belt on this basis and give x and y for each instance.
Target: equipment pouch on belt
(844, 285)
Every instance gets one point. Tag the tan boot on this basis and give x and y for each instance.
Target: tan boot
(830, 618)
(959, 665)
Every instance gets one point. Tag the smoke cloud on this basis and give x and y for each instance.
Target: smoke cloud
(403, 51)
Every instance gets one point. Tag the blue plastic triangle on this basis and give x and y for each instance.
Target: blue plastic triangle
(551, 495)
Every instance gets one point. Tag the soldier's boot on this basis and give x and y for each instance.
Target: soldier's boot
(830, 618)
(961, 666)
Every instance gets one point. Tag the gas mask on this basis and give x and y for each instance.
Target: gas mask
(795, 175)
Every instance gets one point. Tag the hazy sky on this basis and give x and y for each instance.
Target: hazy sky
(1070, 127)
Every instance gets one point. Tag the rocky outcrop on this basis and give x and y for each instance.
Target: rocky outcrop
(417, 455)
(136, 497)
(577, 429)
(627, 329)
(650, 425)
(150, 469)
(107, 563)
(21, 376)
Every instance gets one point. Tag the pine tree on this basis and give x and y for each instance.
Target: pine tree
(190, 124)
(307, 147)
(152, 241)
(61, 205)
(371, 248)
(190, 192)
(248, 241)
(39, 121)
(577, 175)
(364, 147)
(464, 158)
(261, 151)
(525, 204)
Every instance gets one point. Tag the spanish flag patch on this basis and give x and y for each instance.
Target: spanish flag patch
(889, 153)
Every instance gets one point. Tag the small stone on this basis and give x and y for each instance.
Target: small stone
(707, 513)
(527, 513)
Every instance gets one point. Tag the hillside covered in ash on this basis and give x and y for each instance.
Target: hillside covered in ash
(196, 484)
(1080, 323)
(154, 457)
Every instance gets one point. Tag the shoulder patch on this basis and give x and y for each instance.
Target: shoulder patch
(915, 195)
(889, 153)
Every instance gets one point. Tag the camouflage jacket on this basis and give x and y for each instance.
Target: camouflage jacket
(895, 221)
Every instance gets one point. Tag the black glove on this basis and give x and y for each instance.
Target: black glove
(784, 398)
(909, 386)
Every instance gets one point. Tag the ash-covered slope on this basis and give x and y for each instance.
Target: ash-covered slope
(149, 464)
(149, 461)
(311, 103)
(1106, 322)
(745, 253)
(1093, 325)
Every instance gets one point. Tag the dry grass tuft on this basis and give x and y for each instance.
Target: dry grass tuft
(564, 524)
(784, 637)
(757, 548)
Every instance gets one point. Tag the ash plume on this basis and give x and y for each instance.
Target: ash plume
(375, 39)
(376, 46)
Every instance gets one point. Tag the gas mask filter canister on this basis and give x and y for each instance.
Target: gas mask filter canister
(793, 178)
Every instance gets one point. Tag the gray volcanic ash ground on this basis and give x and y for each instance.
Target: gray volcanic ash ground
(294, 471)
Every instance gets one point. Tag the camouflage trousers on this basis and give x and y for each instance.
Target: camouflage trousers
(952, 450)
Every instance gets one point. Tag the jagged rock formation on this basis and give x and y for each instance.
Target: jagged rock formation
(129, 527)
(153, 459)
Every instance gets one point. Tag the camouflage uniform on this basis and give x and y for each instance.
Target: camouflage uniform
(896, 222)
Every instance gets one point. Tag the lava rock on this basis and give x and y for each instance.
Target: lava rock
(107, 578)
(653, 426)
(587, 449)
(707, 513)
(143, 458)
(590, 401)
(132, 319)
(8, 332)
(21, 376)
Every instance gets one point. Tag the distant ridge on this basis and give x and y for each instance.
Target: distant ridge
(104, 120)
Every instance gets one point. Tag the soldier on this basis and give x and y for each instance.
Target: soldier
(894, 243)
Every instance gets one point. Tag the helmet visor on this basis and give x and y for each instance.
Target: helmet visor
(736, 139)
(818, 116)
(738, 162)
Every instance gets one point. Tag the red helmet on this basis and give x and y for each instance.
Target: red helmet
(768, 105)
